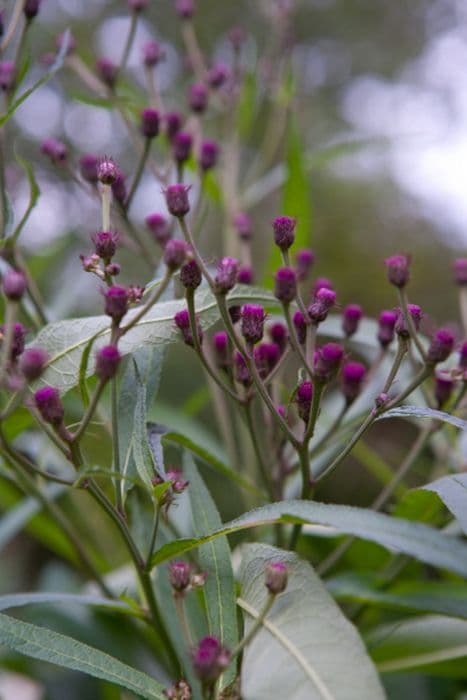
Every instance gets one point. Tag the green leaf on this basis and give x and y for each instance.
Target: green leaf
(425, 644)
(20, 600)
(215, 560)
(417, 540)
(452, 490)
(423, 412)
(43, 644)
(65, 341)
(19, 516)
(83, 368)
(297, 202)
(141, 451)
(413, 596)
(56, 65)
(306, 649)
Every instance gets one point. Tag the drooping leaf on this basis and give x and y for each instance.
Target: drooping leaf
(424, 412)
(19, 516)
(415, 539)
(306, 649)
(20, 600)
(45, 645)
(452, 490)
(142, 454)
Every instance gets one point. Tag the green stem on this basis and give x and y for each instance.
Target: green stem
(139, 172)
(189, 239)
(401, 351)
(294, 339)
(181, 614)
(15, 18)
(129, 43)
(90, 411)
(255, 627)
(155, 529)
(410, 322)
(8, 335)
(257, 448)
(118, 484)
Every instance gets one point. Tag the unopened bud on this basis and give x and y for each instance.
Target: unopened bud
(303, 398)
(175, 254)
(276, 577)
(49, 405)
(177, 200)
(226, 276)
(327, 361)
(150, 122)
(159, 228)
(198, 97)
(107, 362)
(351, 318)
(32, 363)
(324, 301)
(182, 144)
(303, 263)
(386, 323)
(444, 386)
(116, 302)
(441, 346)
(284, 231)
(398, 270)
(14, 285)
(353, 374)
(285, 288)
(401, 326)
(55, 150)
(252, 328)
(190, 274)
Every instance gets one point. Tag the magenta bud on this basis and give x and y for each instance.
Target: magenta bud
(303, 263)
(242, 373)
(226, 276)
(279, 335)
(179, 575)
(7, 75)
(55, 150)
(107, 171)
(327, 361)
(218, 75)
(235, 313)
(303, 398)
(398, 270)
(245, 275)
(182, 321)
(351, 318)
(441, 346)
(32, 363)
(401, 327)
(105, 243)
(221, 350)
(324, 301)
(14, 285)
(176, 197)
(198, 97)
(175, 254)
(459, 267)
(444, 386)
(285, 287)
(116, 302)
(252, 328)
(281, 411)
(182, 143)
(150, 122)
(185, 8)
(353, 374)
(18, 340)
(190, 274)
(300, 326)
(31, 8)
(112, 269)
(88, 167)
(209, 155)
(386, 323)
(244, 226)
(49, 405)
(173, 124)
(179, 484)
(266, 357)
(159, 228)
(119, 188)
(284, 231)
(107, 362)
(322, 283)
(107, 71)
(153, 53)
(210, 658)
(276, 576)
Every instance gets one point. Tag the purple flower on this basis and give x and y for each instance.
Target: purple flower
(159, 226)
(49, 405)
(221, 350)
(7, 75)
(327, 361)
(175, 254)
(303, 263)
(441, 346)
(252, 328)
(107, 362)
(107, 171)
(55, 150)
(386, 323)
(460, 271)
(31, 8)
(300, 326)
(150, 122)
(210, 658)
(266, 357)
(88, 167)
(401, 327)
(351, 318)
(284, 231)
(116, 302)
(276, 576)
(182, 143)
(245, 274)
(190, 274)
(18, 339)
(105, 243)
(182, 321)
(176, 197)
(185, 8)
(14, 285)
(179, 575)
(244, 226)
(353, 374)
(285, 288)
(173, 124)
(32, 363)
(279, 335)
(242, 373)
(226, 276)
(444, 386)
(324, 301)
(208, 155)
(198, 97)
(218, 75)
(153, 53)
(107, 71)
(398, 270)
(303, 398)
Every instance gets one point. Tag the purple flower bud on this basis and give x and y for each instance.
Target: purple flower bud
(119, 187)
(135, 293)
(300, 326)
(245, 275)
(235, 313)
(324, 301)
(303, 399)
(327, 361)
(351, 318)
(386, 323)
(266, 357)
(185, 8)
(14, 285)
(179, 484)
(281, 411)
(460, 271)
(303, 263)
(284, 231)
(182, 143)
(18, 339)
(137, 5)
(32, 363)
(285, 288)
(105, 243)
(209, 155)
(398, 270)
(190, 274)
(276, 577)
(322, 283)
(88, 167)
(221, 350)
(198, 97)
(116, 302)
(159, 227)
(31, 8)
(218, 75)
(107, 171)
(279, 335)
(150, 121)
(179, 575)
(90, 262)
(226, 276)
(153, 53)
(7, 75)
(444, 386)
(107, 71)
(353, 374)
(176, 197)
(182, 321)
(244, 226)
(441, 346)
(175, 254)
(107, 362)
(173, 124)
(112, 269)
(242, 373)
(253, 317)
(401, 327)
(210, 659)
(463, 356)
(55, 150)
(49, 405)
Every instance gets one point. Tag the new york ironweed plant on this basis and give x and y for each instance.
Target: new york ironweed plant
(289, 378)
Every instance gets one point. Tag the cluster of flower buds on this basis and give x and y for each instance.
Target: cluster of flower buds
(183, 578)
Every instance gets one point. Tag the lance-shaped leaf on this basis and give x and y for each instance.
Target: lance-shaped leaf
(452, 490)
